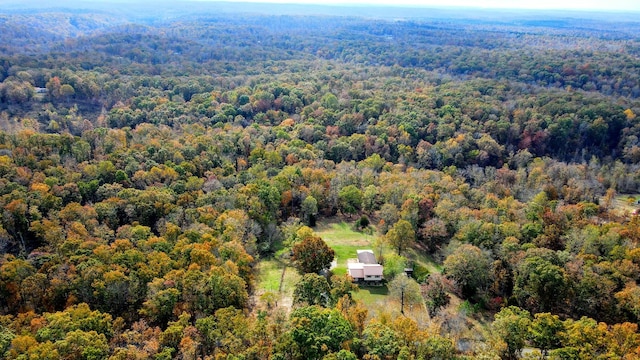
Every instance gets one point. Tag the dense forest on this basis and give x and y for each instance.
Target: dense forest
(153, 159)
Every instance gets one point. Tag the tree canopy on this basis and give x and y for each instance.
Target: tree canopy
(312, 254)
(162, 167)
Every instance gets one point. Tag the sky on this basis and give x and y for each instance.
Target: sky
(609, 5)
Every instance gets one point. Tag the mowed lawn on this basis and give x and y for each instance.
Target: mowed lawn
(270, 279)
(344, 240)
(269, 274)
(372, 295)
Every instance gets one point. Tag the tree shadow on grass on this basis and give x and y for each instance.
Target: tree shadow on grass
(376, 290)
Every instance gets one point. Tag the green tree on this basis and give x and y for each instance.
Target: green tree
(6, 336)
(511, 325)
(371, 200)
(172, 335)
(317, 331)
(381, 341)
(394, 265)
(161, 301)
(330, 101)
(81, 345)
(67, 91)
(309, 210)
(77, 317)
(401, 235)
(436, 347)
(341, 286)
(406, 290)
(341, 355)
(469, 267)
(350, 199)
(227, 330)
(544, 332)
(540, 285)
(312, 289)
(362, 223)
(224, 289)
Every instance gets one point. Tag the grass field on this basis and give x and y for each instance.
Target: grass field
(342, 239)
(345, 241)
(271, 279)
(372, 294)
(270, 272)
(423, 259)
(625, 203)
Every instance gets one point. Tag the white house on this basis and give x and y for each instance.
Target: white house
(366, 268)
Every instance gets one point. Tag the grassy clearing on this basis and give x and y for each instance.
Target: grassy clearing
(270, 279)
(269, 272)
(291, 278)
(378, 302)
(424, 260)
(342, 233)
(625, 203)
(372, 295)
(345, 241)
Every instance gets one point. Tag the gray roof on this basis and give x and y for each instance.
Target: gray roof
(366, 257)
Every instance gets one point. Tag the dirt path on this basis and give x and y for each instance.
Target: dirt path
(285, 294)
